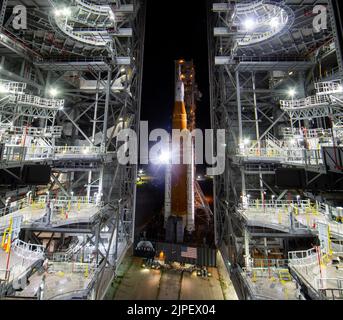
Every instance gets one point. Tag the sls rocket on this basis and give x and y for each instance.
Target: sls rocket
(179, 180)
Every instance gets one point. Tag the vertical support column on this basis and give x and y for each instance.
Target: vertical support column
(239, 109)
(244, 191)
(95, 118)
(240, 130)
(265, 242)
(107, 102)
(255, 111)
(246, 249)
(335, 11)
(3, 12)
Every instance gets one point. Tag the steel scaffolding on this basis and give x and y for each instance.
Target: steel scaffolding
(266, 62)
(91, 55)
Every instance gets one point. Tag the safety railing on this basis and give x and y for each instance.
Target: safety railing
(31, 131)
(34, 153)
(286, 154)
(308, 102)
(329, 87)
(66, 200)
(336, 228)
(55, 104)
(15, 206)
(96, 40)
(78, 150)
(261, 152)
(307, 133)
(28, 251)
(276, 204)
(303, 258)
(12, 87)
(337, 248)
(104, 10)
(73, 267)
(269, 263)
(330, 288)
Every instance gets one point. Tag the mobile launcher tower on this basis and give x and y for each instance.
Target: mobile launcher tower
(187, 215)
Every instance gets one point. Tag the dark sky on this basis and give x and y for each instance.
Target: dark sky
(174, 29)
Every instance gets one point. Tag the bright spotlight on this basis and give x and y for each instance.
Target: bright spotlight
(3, 89)
(53, 92)
(57, 12)
(164, 157)
(65, 12)
(274, 22)
(112, 16)
(246, 141)
(141, 171)
(292, 92)
(249, 24)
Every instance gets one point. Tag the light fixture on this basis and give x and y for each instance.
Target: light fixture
(274, 22)
(246, 141)
(141, 171)
(3, 89)
(291, 92)
(290, 73)
(53, 92)
(249, 24)
(164, 157)
(63, 12)
(112, 16)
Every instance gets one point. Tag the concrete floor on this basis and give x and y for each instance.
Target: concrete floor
(198, 288)
(274, 288)
(17, 265)
(57, 284)
(148, 284)
(312, 273)
(138, 283)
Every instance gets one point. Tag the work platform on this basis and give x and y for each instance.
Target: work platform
(63, 281)
(271, 283)
(14, 269)
(299, 217)
(57, 213)
(317, 273)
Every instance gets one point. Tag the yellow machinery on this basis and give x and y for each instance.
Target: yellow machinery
(6, 238)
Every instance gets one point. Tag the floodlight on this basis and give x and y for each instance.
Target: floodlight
(53, 92)
(249, 24)
(291, 92)
(274, 22)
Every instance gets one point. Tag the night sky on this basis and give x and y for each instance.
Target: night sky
(174, 30)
